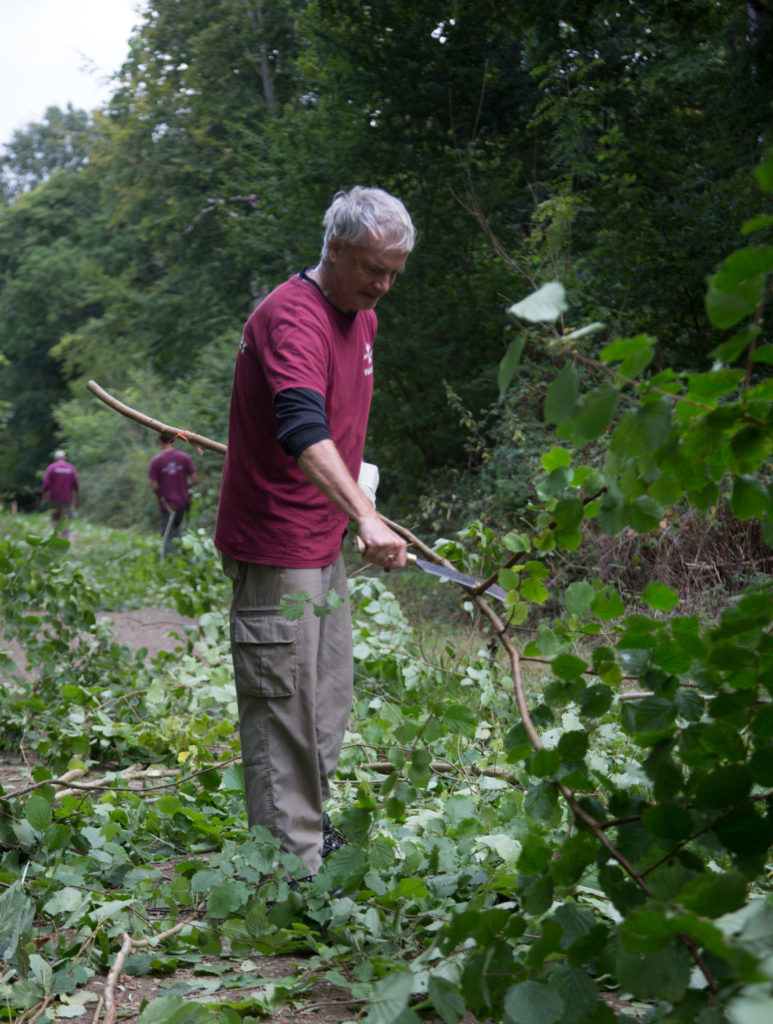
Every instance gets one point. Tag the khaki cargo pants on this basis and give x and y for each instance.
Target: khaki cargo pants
(294, 689)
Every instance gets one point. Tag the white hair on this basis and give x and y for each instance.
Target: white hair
(352, 216)
(59, 453)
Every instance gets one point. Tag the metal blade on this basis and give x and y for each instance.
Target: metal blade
(459, 577)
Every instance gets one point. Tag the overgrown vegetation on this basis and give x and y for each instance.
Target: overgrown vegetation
(607, 146)
(559, 810)
(584, 842)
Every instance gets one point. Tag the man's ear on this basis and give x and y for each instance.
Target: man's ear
(334, 248)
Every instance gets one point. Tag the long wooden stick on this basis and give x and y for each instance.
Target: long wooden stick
(148, 421)
(216, 446)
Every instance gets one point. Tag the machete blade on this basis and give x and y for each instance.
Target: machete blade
(458, 577)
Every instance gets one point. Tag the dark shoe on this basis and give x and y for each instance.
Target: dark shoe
(295, 883)
(332, 838)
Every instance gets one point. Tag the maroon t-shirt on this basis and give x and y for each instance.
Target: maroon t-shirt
(269, 512)
(171, 469)
(60, 481)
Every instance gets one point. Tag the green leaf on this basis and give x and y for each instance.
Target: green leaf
(17, 912)
(644, 514)
(622, 348)
(608, 604)
(648, 715)
(744, 831)
(764, 354)
(534, 591)
(663, 974)
(446, 999)
(659, 596)
(508, 367)
(533, 1002)
(544, 762)
(736, 289)
(730, 350)
(668, 821)
(168, 804)
(672, 657)
(596, 700)
(578, 993)
(561, 397)
(390, 997)
(750, 497)
(535, 893)
(707, 387)
(567, 666)
(757, 223)
(227, 897)
(42, 972)
(65, 901)
(761, 765)
(543, 306)
(591, 417)
(568, 513)
(712, 895)
(541, 800)
(634, 354)
(292, 606)
(174, 1009)
(419, 768)
(556, 458)
(744, 265)
(578, 597)
(573, 745)
(611, 515)
(727, 785)
(37, 811)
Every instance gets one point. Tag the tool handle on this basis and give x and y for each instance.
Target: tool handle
(359, 543)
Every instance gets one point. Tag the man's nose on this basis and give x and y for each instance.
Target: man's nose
(383, 282)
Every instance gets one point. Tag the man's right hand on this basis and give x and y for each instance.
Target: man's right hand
(382, 546)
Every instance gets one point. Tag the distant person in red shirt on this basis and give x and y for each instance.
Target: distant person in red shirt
(171, 474)
(60, 489)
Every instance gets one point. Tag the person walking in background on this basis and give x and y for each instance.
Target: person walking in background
(299, 411)
(171, 475)
(60, 490)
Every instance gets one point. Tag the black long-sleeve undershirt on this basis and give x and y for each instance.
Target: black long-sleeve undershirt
(301, 420)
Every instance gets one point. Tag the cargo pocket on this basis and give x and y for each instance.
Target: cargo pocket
(265, 654)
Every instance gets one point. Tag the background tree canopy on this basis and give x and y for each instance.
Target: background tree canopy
(607, 145)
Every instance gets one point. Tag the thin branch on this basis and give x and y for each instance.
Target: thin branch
(128, 944)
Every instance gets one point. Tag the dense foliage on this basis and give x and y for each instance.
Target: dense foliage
(605, 145)
(575, 827)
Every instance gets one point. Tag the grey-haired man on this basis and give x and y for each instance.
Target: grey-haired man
(299, 410)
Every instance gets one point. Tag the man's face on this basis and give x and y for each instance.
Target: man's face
(361, 274)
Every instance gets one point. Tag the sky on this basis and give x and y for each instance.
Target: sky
(55, 52)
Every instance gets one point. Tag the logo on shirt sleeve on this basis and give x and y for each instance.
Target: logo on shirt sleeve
(368, 359)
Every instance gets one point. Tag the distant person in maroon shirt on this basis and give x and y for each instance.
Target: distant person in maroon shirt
(60, 490)
(171, 474)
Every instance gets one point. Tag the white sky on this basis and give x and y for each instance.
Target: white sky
(55, 52)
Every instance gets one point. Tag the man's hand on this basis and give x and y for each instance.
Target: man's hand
(382, 546)
(323, 466)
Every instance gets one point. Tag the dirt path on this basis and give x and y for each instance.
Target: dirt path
(152, 628)
(148, 627)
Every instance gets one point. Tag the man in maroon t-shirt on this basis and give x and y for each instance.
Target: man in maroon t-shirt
(60, 487)
(171, 474)
(299, 411)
